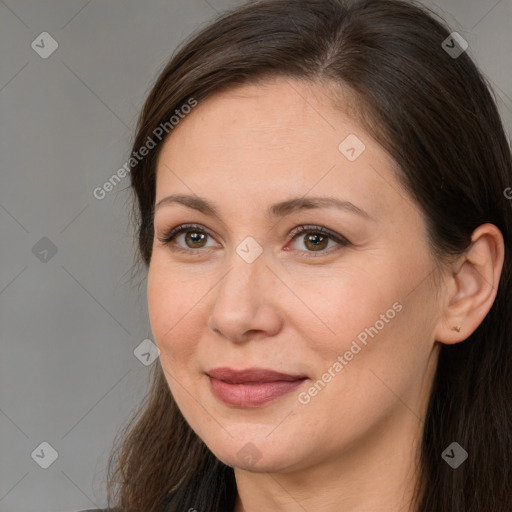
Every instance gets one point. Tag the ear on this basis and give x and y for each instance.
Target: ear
(473, 285)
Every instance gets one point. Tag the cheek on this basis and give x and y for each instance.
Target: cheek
(366, 326)
(342, 310)
(385, 356)
(172, 304)
(160, 296)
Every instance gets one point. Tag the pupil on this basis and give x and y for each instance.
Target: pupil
(314, 239)
(196, 237)
(316, 244)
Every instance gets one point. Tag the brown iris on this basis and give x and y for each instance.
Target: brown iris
(313, 238)
(196, 237)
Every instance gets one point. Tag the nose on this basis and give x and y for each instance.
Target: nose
(245, 304)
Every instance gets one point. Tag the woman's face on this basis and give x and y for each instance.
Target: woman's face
(353, 312)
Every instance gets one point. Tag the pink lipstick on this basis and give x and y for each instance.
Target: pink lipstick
(251, 387)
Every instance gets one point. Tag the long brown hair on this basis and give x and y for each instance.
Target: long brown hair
(436, 116)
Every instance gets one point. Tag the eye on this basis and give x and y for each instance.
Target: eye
(194, 237)
(316, 239)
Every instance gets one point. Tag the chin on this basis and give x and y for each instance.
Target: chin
(255, 453)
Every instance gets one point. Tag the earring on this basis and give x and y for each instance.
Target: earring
(456, 328)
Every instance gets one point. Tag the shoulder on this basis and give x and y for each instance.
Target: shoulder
(100, 510)
(92, 510)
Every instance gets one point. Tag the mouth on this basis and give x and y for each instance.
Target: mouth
(251, 387)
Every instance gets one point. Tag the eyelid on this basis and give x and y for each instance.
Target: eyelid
(169, 236)
(305, 228)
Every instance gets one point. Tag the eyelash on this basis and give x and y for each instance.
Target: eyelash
(168, 237)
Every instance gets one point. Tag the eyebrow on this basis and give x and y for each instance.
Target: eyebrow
(280, 209)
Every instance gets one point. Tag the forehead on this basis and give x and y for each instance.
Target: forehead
(273, 112)
(276, 139)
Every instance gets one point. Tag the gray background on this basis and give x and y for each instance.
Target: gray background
(69, 325)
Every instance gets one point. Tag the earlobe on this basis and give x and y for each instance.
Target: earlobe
(473, 285)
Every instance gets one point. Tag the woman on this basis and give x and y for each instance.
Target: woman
(320, 205)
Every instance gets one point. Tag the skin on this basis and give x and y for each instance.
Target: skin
(354, 444)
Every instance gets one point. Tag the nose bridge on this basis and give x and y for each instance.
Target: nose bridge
(242, 299)
(247, 267)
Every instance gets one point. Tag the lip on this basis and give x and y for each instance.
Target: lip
(250, 375)
(251, 387)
